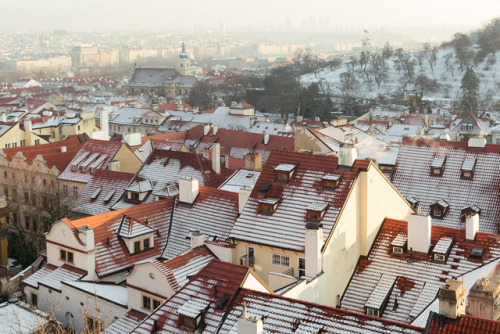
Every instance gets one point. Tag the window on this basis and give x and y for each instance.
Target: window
(7, 145)
(146, 302)
(372, 311)
(22, 143)
(156, 303)
(137, 247)
(281, 260)
(14, 144)
(65, 190)
(439, 257)
(37, 141)
(397, 250)
(93, 325)
(75, 191)
(27, 222)
(146, 243)
(437, 212)
(466, 174)
(44, 182)
(34, 300)
(302, 266)
(66, 256)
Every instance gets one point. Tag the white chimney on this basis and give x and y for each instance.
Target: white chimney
(266, 139)
(249, 325)
(214, 130)
(3, 201)
(197, 239)
(419, 233)
(477, 144)
(216, 157)
(86, 235)
(243, 197)
(206, 129)
(300, 118)
(4, 117)
(28, 127)
(105, 123)
(133, 139)
(314, 242)
(317, 119)
(348, 152)
(188, 190)
(196, 110)
(471, 226)
(64, 149)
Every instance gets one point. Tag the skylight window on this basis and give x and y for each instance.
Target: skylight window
(96, 193)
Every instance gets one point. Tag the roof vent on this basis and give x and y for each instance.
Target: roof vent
(477, 253)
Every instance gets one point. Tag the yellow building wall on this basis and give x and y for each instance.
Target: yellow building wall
(305, 141)
(129, 162)
(16, 135)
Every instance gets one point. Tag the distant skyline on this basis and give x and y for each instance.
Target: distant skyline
(115, 15)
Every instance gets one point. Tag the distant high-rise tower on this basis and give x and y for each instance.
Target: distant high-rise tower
(183, 63)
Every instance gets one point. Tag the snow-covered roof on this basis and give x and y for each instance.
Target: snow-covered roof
(417, 277)
(380, 292)
(51, 276)
(21, 318)
(241, 178)
(412, 178)
(114, 293)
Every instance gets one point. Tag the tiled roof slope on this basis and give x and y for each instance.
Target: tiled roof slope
(164, 168)
(145, 150)
(465, 324)
(285, 228)
(93, 148)
(285, 315)
(412, 178)
(213, 213)
(206, 287)
(51, 276)
(115, 256)
(126, 323)
(51, 153)
(417, 280)
(102, 191)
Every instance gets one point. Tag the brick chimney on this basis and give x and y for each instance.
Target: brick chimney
(452, 299)
(188, 190)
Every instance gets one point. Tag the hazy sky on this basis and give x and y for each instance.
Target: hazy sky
(166, 14)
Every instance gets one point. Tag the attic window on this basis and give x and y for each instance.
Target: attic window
(468, 166)
(439, 209)
(413, 201)
(442, 249)
(268, 205)
(96, 193)
(191, 314)
(469, 210)
(74, 168)
(330, 181)
(283, 172)
(437, 166)
(379, 298)
(399, 244)
(316, 211)
(109, 196)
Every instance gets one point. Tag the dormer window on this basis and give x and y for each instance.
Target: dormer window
(399, 244)
(283, 172)
(442, 249)
(191, 314)
(138, 191)
(439, 209)
(437, 166)
(316, 211)
(413, 201)
(379, 298)
(330, 181)
(469, 210)
(268, 205)
(467, 170)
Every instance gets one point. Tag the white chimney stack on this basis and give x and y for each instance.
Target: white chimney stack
(197, 239)
(243, 197)
(64, 149)
(249, 325)
(266, 139)
(188, 190)
(216, 158)
(348, 152)
(206, 129)
(28, 127)
(314, 242)
(419, 233)
(300, 118)
(471, 226)
(105, 123)
(4, 117)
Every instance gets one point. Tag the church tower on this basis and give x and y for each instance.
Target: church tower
(183, 63)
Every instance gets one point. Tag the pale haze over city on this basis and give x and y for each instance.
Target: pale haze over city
(250, 167)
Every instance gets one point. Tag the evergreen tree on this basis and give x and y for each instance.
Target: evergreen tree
(470, 97)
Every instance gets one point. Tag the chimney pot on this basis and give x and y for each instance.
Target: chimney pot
(419, 233)
(188, 190)
(471, 226)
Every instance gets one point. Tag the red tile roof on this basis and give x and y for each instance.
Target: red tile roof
(412, 177)
(51, 153)
(417, 278)
(465, 324)
(304, 188)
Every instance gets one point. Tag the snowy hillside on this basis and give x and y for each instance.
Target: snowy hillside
(446, 72)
